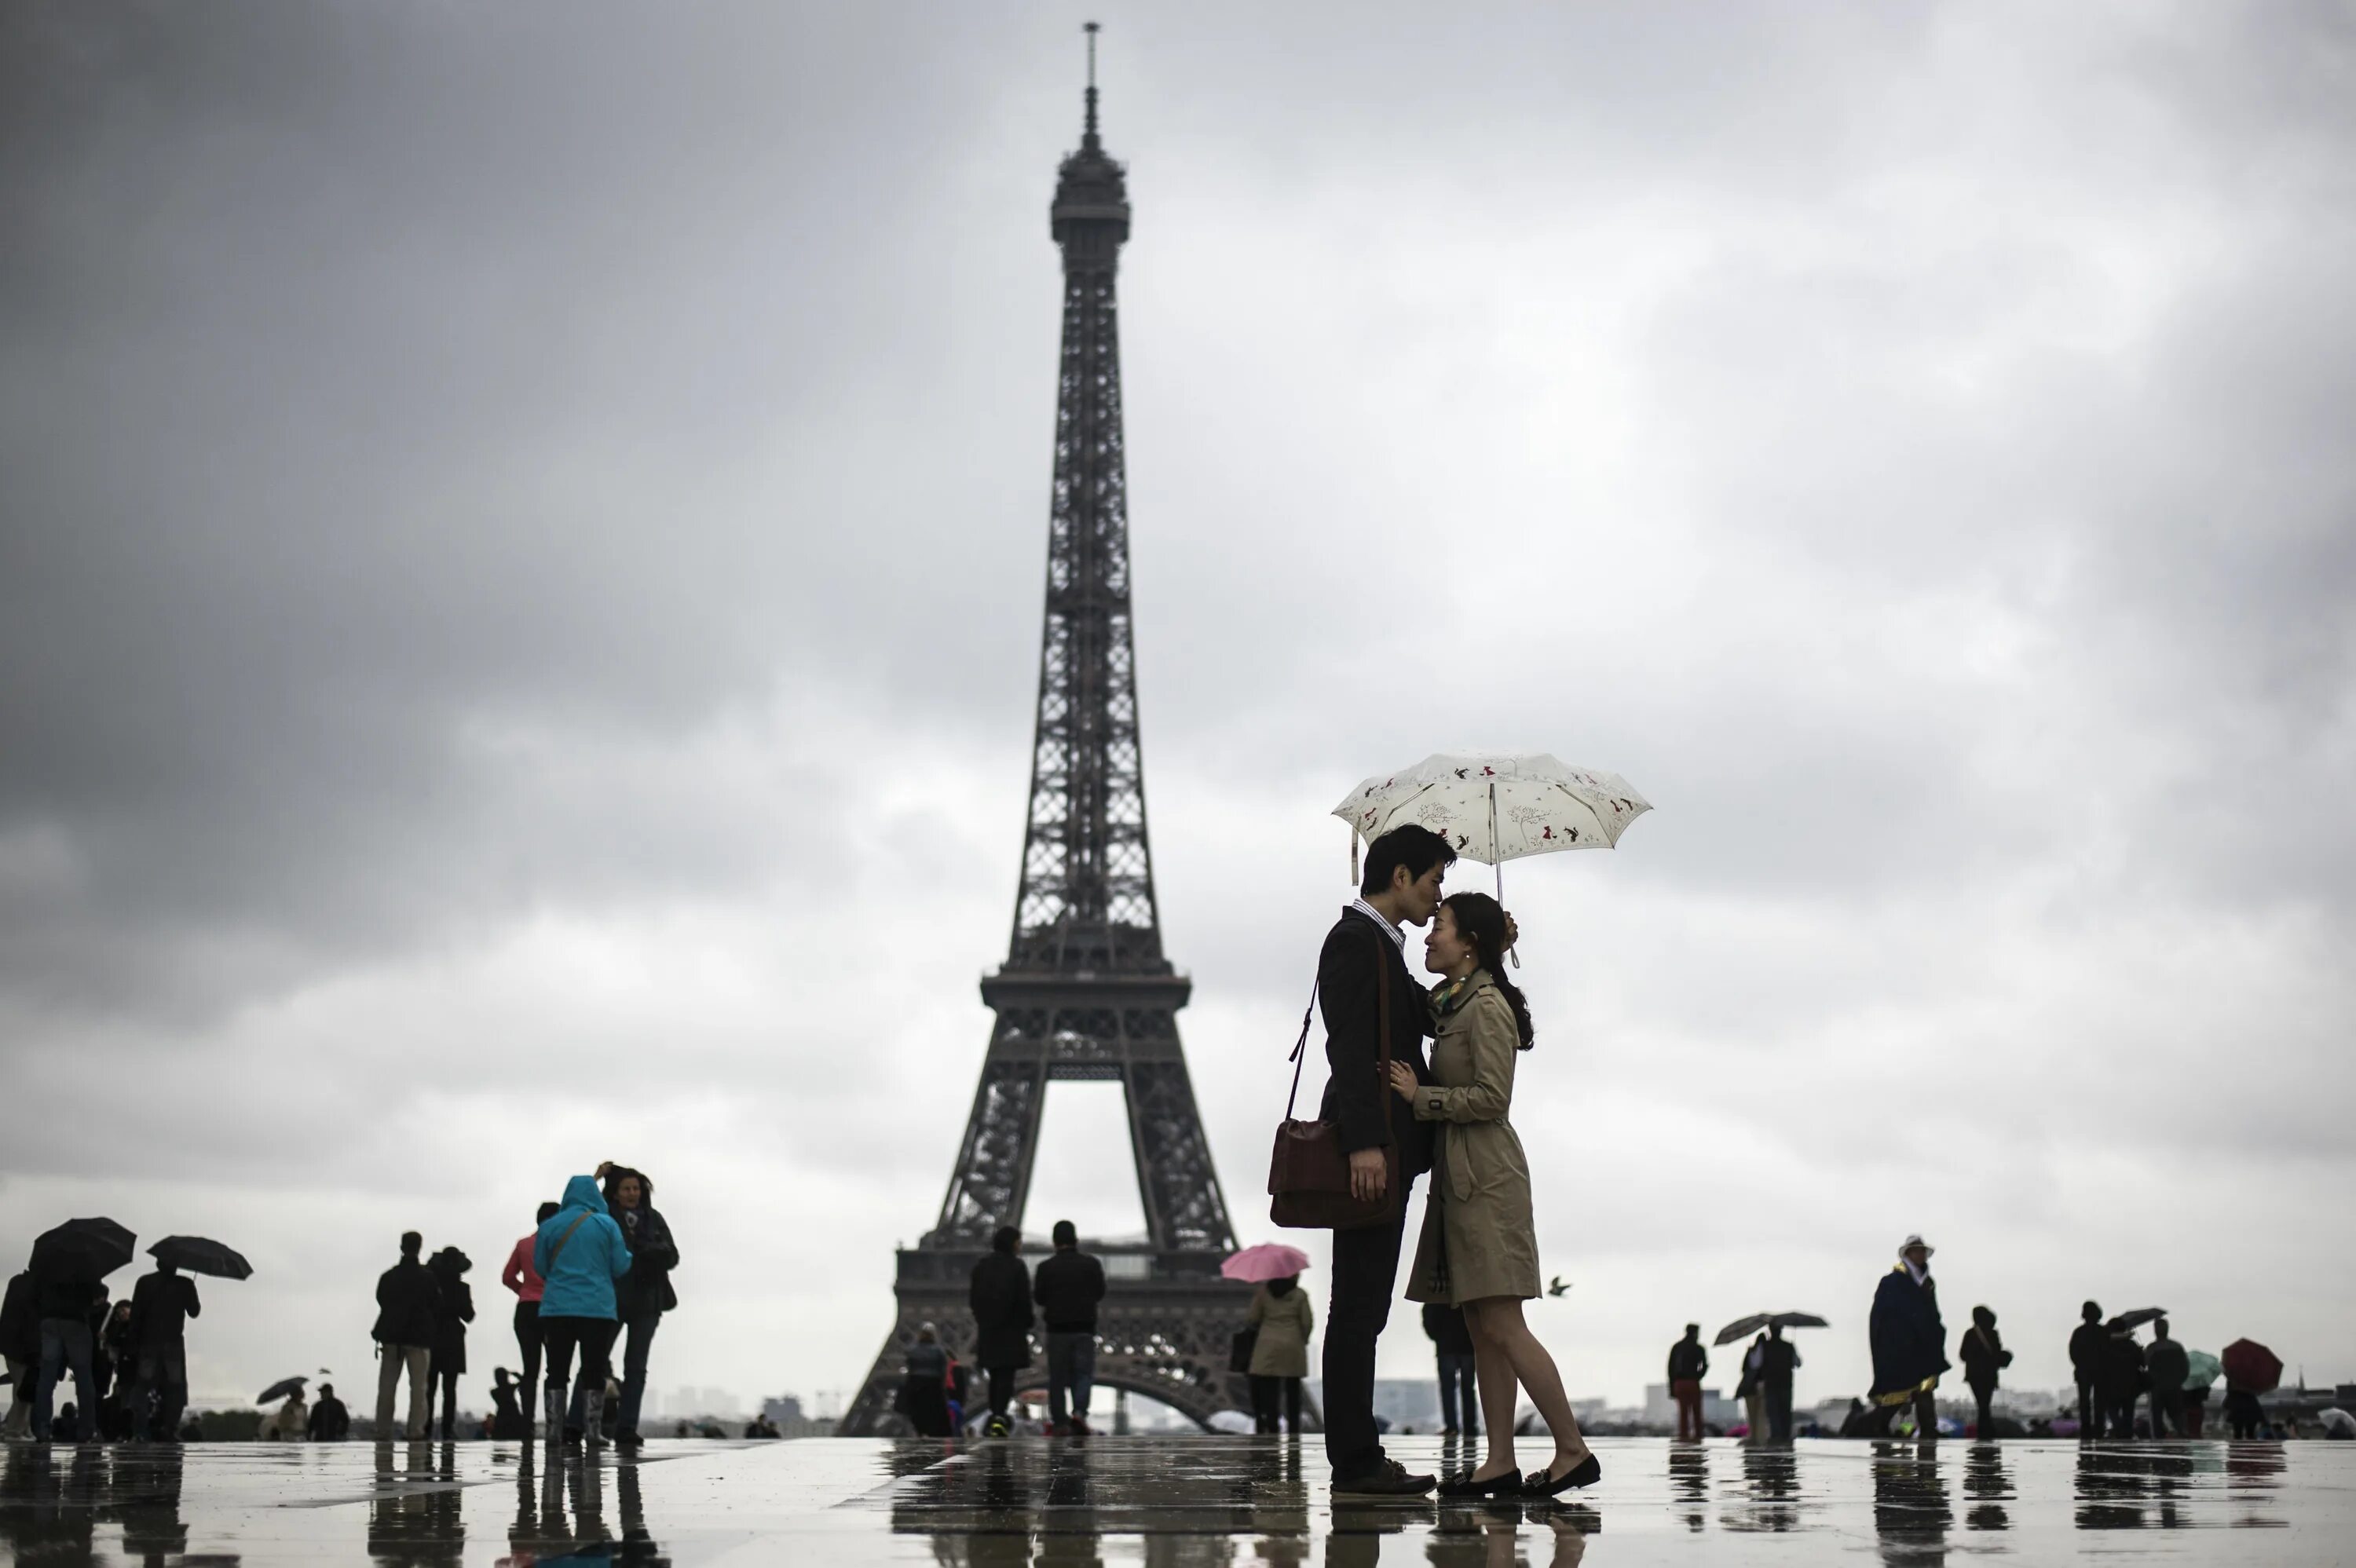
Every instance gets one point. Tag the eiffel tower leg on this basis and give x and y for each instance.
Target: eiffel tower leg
(1185, 1210)
(993, 1171)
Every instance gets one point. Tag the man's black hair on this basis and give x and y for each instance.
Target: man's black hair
(2159, 1328)
(411, 1244)
(1007, 1239)
(549, 1208)
(1066, 1233)
(2090, 1312)
(1416, 847)
(1693, 1327)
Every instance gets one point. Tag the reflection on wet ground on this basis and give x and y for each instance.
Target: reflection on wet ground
(1180, 1502)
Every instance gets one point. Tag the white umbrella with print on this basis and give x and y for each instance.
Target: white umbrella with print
(1493, 809)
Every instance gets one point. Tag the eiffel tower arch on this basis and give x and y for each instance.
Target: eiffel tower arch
(1086, 993)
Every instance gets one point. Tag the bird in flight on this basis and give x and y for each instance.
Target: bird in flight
(1558, 1285)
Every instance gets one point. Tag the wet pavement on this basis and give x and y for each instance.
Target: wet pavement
(1186, 1502)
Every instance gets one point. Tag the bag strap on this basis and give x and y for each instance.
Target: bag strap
(1299, 1049)
(557, 1250)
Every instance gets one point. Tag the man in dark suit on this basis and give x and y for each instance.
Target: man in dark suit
(1363, 953)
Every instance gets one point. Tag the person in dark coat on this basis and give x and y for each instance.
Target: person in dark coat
(643, 1295)
(1985, 1358)
(2122, 1379)
(1910, 1343)
(1778, 1360)
(453, 1308)
(1452, 1350)
(1688, 1364)
(330, 1422)
(65, 1301)
(122, 1356)
(20, 1346)
(2169, 1366)
(161, 1305)
(2086, 1344)
(1000, 1295)
(1067, 1287)
(407, 1305)
(923, 1387)
(1362, 958)
(507, 1410)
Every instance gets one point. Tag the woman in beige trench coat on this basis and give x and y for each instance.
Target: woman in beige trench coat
(1479, 1249)
(1279, 1359)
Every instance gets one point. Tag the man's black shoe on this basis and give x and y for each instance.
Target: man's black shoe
(1389, 1479)
(628, 1442)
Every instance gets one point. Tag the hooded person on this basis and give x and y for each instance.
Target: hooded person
(645, 1292)
(1909, 1341)
(453, 1308)
(578, 1254)
(1984, 1359)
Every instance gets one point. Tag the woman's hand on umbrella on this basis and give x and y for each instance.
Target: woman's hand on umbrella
(1403, 1079)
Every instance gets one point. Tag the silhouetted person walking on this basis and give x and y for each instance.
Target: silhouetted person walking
(524, 1280)
(1067, 1287)
(330, 1422)
(925, 1385)
(1688, 1364)
(161, 1305)
(66, 1303)
(1910, 1342)
(999, 1296)
(1452, 1350)
(453, 1308)
(1752, 1395)
(1362, 961)
(20, 1346)
(2169, 1366)
(406, 1305)
(1984, 1359)
(1778, 1360)
(2087, 1342)
(2123, 1375)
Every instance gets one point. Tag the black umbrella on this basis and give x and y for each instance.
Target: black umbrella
(281, 1389)
(2131, 1321)
(198, 1255)
(1758, 1321)
(83, 1249)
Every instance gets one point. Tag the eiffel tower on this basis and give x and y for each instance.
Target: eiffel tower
(1086, 993)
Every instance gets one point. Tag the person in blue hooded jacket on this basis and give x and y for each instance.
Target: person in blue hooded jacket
(578, 1254)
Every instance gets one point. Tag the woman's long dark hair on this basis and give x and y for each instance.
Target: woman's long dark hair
(1481, 920)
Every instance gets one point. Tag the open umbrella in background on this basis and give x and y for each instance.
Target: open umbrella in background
(282, 1389)
(2252, 1367)
(2201, 1368)
(2131, 1321)
(1743, 1327)
(198, 1255)
(1495, 809)
(82, 1249)
(1269, 1260)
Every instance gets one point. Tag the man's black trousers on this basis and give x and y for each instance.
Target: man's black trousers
(1365, 1268)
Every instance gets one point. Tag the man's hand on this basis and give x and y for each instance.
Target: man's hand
(1370, 1174)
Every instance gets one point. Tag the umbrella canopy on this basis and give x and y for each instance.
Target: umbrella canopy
(2202, 1368)
(2337, 1422)
(83, 1249)
(282, 1389)
(2131, 1321)
(198, 1255)
(1269, 1260)
(1743, 1327)
(2250, 1365)
(1498, 808)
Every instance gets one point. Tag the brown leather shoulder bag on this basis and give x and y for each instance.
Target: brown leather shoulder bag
(1309, 1173)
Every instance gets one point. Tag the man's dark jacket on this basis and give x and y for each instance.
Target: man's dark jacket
(1687, 1359)
(2167, 1364)
(2086, 1345)
(2121, 1375)
(1000, 1298)
(330, 1422)
(407, 1301)
(1359, 957)
(1984, 1356)
(1777, 1359)
(1910, 1343)
(161, 1305)
(1450, 1335)
(20, 1322)
(1067, 1287)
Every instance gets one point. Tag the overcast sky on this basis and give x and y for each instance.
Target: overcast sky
(520, 580)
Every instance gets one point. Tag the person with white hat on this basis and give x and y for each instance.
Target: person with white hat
(1909, 1342)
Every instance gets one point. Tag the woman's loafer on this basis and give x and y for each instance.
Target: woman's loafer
(1545, 1483)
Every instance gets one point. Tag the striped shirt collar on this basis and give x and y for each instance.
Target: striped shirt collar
(1398, 937)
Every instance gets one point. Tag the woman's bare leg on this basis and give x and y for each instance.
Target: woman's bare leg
(1493, 1370)
(1501, 1325)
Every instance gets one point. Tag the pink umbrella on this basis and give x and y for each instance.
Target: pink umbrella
(1269, 1260)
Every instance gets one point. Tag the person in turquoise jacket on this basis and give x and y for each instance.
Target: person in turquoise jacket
(578, 1254)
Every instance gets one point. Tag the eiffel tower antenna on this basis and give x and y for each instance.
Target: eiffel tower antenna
(1085, 992)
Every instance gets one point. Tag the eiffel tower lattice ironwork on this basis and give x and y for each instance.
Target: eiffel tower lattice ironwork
(1085, 992)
